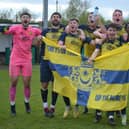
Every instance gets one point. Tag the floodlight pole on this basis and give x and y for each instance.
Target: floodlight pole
(56, 5)
(45, 13)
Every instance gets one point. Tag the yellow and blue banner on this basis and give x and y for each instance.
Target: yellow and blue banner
(102, 85)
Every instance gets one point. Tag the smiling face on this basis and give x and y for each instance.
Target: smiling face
(73, 25)
(117, 17)
(111, 33)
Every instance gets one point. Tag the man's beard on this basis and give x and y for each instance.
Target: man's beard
(25, 24)
(55, 23)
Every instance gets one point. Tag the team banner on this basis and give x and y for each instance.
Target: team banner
(102, 85)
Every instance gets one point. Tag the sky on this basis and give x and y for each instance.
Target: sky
(106, 7)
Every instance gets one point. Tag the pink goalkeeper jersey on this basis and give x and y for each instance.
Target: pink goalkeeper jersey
(22, 42)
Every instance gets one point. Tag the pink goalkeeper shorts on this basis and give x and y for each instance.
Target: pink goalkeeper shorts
(24, 69)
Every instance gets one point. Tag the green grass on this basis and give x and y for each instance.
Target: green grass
(36, 119)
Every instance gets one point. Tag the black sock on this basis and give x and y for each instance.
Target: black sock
(44, 94)
(66, 100)
(123, 111)
(54, 97)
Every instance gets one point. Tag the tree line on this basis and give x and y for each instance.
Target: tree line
(76, 9)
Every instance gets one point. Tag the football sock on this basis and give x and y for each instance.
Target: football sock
(12, 94)
(54, 97)
(44, 93)
(66, 100)
(27, 93)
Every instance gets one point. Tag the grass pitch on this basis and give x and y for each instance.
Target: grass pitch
(37, 120)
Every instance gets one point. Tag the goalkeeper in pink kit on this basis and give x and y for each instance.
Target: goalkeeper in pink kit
(21, 58)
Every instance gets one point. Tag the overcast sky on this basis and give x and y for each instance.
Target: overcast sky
(106, 7)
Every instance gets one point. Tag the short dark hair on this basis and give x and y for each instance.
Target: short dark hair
(56, 13)
(118, 10)
(74, 19)
(112, 25)
(25, 13)
(90, 13)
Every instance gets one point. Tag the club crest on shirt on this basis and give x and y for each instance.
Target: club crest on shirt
(111, 47)
(30, 33)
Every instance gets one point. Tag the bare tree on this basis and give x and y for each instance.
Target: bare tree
(11, 15)
(6, 14)
(34, 16)
(76, 8)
